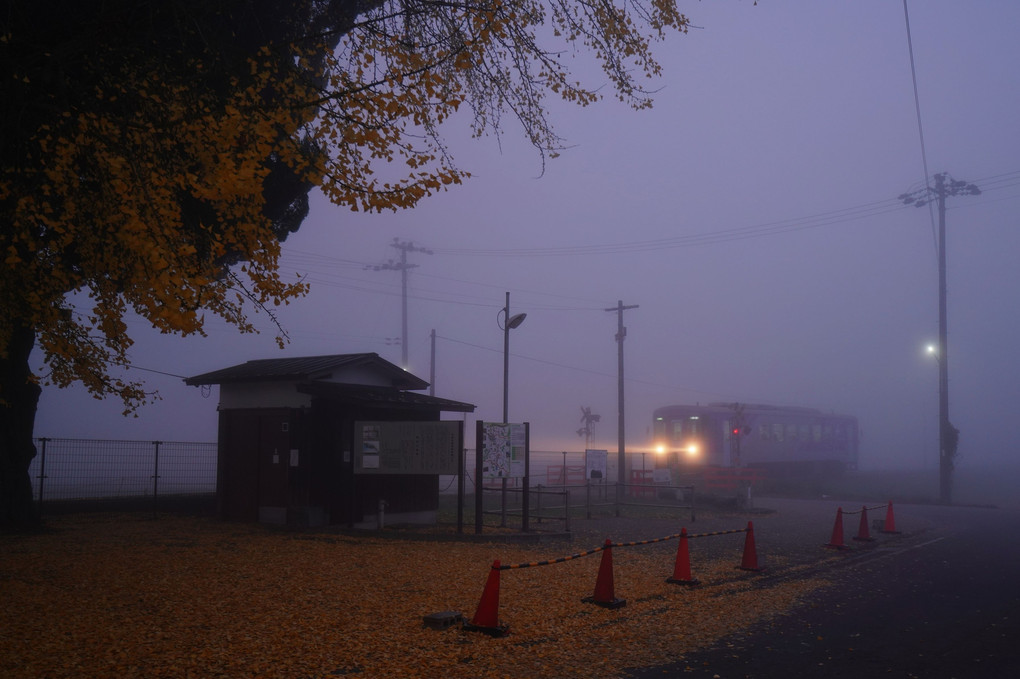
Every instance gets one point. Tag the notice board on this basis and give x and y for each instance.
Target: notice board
(504, 450)
(408, 447)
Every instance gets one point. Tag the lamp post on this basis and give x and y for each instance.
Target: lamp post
(507, 324)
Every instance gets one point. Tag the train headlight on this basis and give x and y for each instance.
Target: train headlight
(692, 450)
(660, 449)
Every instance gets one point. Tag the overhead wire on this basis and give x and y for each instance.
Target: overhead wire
(598, 373)
(320, 267)
(920, 129)
(839, 216)
(822, 219)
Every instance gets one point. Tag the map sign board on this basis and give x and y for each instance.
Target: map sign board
(408, 447)
(504, 448)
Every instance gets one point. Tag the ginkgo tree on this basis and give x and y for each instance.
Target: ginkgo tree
(155, 155)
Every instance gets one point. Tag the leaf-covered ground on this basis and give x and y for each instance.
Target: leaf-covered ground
(123, 596)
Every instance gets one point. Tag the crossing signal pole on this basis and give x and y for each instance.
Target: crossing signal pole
(945, 186)
(621, 333)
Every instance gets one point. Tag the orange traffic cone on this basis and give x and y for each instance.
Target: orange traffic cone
(863, 533)
(890, 520)
(487, 616)
(604, 595)
(750, 560)
(682, 568)
(836, 541)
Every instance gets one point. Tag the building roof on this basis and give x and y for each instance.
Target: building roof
(382, 397)
(307, 369)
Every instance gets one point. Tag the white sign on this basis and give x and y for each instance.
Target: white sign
(595, 464)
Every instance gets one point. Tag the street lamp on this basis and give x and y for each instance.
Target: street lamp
(507, 324)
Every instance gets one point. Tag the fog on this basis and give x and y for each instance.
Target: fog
(751, 215)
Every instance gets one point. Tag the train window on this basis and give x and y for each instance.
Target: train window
(763, 432)
(804, 432)
(693, 427)
(816, 433)
(777, 433)
(677, 429)
(791, 432)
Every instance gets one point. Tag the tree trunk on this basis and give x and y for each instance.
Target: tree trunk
(19, 397)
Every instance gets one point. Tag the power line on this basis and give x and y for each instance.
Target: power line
(843, 215)
(598, 373)
(317, 261)
(920, 130)
(778, 227)
(131, 366)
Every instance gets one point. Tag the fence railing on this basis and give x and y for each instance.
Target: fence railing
(97, 469)
(557, 503)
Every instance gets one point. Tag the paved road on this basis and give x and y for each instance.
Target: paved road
(940, 601)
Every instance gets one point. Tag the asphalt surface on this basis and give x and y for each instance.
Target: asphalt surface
(939, 600)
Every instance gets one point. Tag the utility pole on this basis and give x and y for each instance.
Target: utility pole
(948, 434)
(621, 459)
(402, 266)
(432, 363)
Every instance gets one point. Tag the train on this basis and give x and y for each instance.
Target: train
(782, 439)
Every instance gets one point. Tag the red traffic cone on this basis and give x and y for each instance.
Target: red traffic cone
(750, 560)
(604, 595)
(486, 618)
(863, 533)
(836, 541)
(682, 568)
(890, 521)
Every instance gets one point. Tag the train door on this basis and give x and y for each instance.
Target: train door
(728, 458)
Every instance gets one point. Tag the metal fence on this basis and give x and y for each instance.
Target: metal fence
(589, 499)
(94, 469)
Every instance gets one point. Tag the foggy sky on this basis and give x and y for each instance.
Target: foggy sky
(751, 215)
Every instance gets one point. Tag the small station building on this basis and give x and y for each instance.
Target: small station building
(331, 440)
